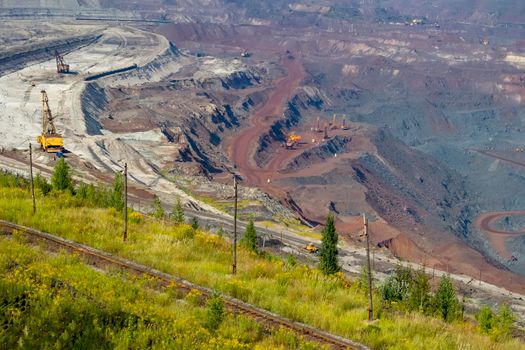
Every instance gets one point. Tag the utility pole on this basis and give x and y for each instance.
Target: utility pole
(370, 305)
(234, 266)
(31, 177)
(125, 201)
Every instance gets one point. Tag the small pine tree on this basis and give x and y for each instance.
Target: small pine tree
(61, 179)
(504, 321)
(485, 319)
(419, 294)
(249, 240)
(214, 313)
(445, 302)
(195, 223)
(178, 212)
(220, 232)
(117, 195)
(158, 210)
(328, 252)
(42, 184)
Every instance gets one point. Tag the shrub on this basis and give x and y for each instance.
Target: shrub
(504, 321)
(195, 223)
(214, 313)
(445, 302)
(178, 212)
(117, 192)
(485, 319)
(42, 184)
(249, 240)
(61, 179)
(158, 210)
(135, 217)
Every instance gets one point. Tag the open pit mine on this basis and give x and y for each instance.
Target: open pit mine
(411, 114)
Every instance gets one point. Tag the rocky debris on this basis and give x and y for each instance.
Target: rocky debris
(327, 149)
(408, 188)
(261, 206)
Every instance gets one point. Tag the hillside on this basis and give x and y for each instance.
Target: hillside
(333, 303)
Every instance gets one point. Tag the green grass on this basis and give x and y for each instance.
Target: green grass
(332, 303)
(55, 301)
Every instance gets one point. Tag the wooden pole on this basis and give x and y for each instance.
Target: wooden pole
(125, 201)
(31, 177)
(234, 266)
(369, 271)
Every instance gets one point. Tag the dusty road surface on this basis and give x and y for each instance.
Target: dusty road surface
(487, 222)
(242, 147)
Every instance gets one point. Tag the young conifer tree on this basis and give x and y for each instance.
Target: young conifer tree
(249, 240)
(61, 179)
(178, 212)
(328, 253)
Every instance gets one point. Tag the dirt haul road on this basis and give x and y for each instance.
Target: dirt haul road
(242, 148)
(487, 222)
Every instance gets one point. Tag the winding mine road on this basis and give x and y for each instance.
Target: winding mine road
(486, 223)
(242, 148)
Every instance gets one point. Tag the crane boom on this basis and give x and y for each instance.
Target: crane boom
(49, 140)
(62, 67)
(48, 127)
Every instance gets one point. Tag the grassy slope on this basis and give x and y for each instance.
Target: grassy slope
(300, 293)
(50, 301)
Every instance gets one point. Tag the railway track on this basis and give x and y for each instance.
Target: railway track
(100, 258)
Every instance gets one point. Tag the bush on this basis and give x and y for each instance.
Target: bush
(445, 303)
(117, 193)
(249, 240)
(158, 210)
(410, 289)
(178, 212)
(195, 223)
(214, 313)
(485, 319)
(42, 184)
(61, 179)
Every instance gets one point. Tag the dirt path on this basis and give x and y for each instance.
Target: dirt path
(486, 223)
(497, 156)
(242, 147)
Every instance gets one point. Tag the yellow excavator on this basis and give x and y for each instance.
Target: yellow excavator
(50, 141)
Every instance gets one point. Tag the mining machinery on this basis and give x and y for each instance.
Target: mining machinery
(50, 141)
(344, 126)
(62, 67)
(292, 139)
(333, 124)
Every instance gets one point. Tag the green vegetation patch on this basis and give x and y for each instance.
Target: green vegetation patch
(58, 302)
(332, 303)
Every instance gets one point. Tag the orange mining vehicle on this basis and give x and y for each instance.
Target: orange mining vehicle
(292, 140)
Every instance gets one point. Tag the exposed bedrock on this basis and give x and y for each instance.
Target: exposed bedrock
(194, 114)
(325, 150)
(407, 187)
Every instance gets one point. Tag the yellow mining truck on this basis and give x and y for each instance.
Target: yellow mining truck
(50, 141)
